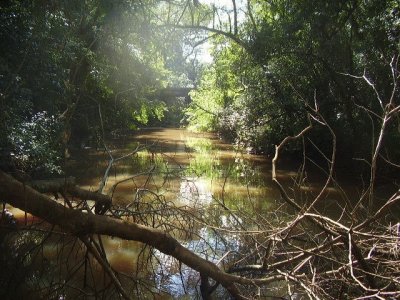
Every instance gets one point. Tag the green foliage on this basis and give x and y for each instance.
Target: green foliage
(147, 111)
(34, 144)
(235, 97)
(207, 102)
(88, 55)
(297, 53)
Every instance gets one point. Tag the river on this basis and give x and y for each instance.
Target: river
(196, 171)
(197, 187)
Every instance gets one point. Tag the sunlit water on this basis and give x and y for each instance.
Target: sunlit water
(191, 170)
(195, 172)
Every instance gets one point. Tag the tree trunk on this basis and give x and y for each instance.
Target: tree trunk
(78, 223)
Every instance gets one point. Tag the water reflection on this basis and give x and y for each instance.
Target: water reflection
(181, 281)
(186, 184)
(194, 191)
(196, 172)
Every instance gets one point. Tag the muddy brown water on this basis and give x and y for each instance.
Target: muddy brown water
(199, 168)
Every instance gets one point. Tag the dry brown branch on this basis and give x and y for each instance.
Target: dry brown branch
(367, 259)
